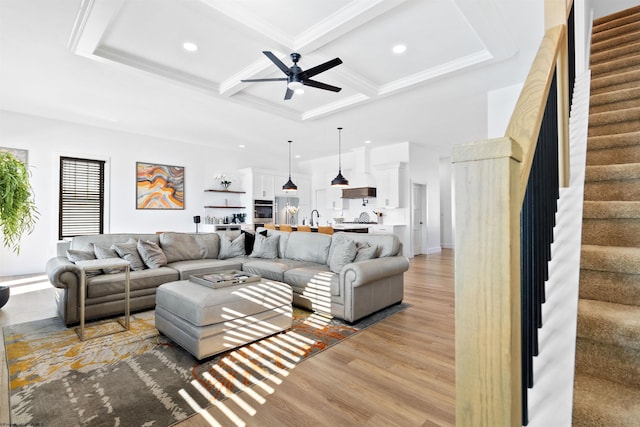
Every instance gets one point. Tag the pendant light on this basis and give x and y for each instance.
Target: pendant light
(339, 181)
(289, 186)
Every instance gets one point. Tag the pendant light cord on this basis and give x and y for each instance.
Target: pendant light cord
(340, 150)
(289, 160)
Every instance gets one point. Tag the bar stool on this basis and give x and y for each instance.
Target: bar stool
(306, 228)
(326, 229)
(286, 227)
(270, 226)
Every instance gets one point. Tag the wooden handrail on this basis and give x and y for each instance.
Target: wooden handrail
(524, 126)
(490, 182)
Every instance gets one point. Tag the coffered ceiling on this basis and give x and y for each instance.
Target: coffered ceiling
(121, 64)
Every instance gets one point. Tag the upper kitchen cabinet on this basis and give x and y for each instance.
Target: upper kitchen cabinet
(388, 178)
(263, 186)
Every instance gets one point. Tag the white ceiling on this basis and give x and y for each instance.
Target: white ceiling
(120, 64)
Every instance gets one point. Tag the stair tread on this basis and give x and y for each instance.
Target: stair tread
(615, 19)
(617, 324)
(623, 171)
(614, 96)
(599, 402)
(620, 36)
(602, 82)
(616, 116)
(623, 259)
(611, 209)
(614, 53)
(629, 26)
(609, 141)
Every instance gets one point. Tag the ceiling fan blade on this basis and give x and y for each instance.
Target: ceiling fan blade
(265, 80)
(288, 94)
(321, 85)
(322, 67)
(276, 61)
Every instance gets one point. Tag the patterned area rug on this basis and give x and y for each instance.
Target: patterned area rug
(140, 377)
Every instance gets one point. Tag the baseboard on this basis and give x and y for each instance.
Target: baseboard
(434, 250)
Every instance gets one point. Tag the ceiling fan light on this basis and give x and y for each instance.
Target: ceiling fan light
(295, 85)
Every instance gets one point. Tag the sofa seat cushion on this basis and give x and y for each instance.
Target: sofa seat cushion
(202, 266)
(317, 279)
(272, 269)
(200, 305)
(109, 284)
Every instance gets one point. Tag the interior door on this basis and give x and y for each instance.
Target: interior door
(418, 218)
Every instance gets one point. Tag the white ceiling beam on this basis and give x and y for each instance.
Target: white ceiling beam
(92, 20)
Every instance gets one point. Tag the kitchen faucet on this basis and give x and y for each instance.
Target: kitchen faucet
(318, 214)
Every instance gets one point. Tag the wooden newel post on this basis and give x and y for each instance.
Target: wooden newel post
(487, 280)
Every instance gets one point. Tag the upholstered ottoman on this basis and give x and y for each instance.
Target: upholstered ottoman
(206, 321)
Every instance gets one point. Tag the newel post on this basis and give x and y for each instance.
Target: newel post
(487, 282)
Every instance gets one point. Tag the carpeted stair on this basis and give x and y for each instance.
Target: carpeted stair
(607, 379)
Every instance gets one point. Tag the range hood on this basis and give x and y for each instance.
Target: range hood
(358, 193)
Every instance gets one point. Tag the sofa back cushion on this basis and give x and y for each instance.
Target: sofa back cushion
(313, 247)
(180, 247)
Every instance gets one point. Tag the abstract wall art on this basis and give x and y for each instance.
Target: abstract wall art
(159, 186)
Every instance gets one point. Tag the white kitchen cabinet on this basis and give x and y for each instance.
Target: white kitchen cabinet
(334, 199)
(388, 178)
(263, 186)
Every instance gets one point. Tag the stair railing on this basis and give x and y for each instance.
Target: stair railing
(505, 198)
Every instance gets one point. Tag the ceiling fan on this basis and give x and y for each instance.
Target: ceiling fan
(297, 77)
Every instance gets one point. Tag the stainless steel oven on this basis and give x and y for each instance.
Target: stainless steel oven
(262, 211)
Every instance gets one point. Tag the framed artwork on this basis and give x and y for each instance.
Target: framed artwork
(22, 155)
(159, 186)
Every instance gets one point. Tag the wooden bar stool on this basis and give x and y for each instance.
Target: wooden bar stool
(326, 229)
(270, 226)
(306, 228)
(286, 227)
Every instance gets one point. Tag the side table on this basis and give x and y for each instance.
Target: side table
(100, 264)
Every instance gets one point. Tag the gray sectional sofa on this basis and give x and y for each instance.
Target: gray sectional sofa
(349, 275)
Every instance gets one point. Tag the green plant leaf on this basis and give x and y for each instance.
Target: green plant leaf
(18, 212)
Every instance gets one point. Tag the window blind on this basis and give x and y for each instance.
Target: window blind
(81, 197)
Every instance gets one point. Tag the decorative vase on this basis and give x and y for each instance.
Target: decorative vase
(225, 186)
(4, 295)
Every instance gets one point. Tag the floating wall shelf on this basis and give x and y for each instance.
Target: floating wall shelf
(225, 191)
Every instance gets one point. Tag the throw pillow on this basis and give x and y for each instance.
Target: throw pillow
(365, 252)
(102, 253)
(265, 246)
(151, 254)
(231, 248)
(343, 253)
(75, 255)
(249, 239)
(129, 252)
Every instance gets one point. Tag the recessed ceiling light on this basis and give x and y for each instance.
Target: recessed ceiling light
(241, 146)
(298, 156)
(191, 47)
(299, 91)
(399, 48)
(368, 141)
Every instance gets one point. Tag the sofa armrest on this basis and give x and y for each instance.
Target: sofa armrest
(363, 272)
(62, 273)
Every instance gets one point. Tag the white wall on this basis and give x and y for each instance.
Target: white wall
(47, 139)
(500, 106)
(421, 167)
(448, 233)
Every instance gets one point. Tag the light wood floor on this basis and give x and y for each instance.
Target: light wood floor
(399, 372)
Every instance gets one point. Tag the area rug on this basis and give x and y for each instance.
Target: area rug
(140, 377)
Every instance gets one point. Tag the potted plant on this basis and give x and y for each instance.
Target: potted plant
(18, 212)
